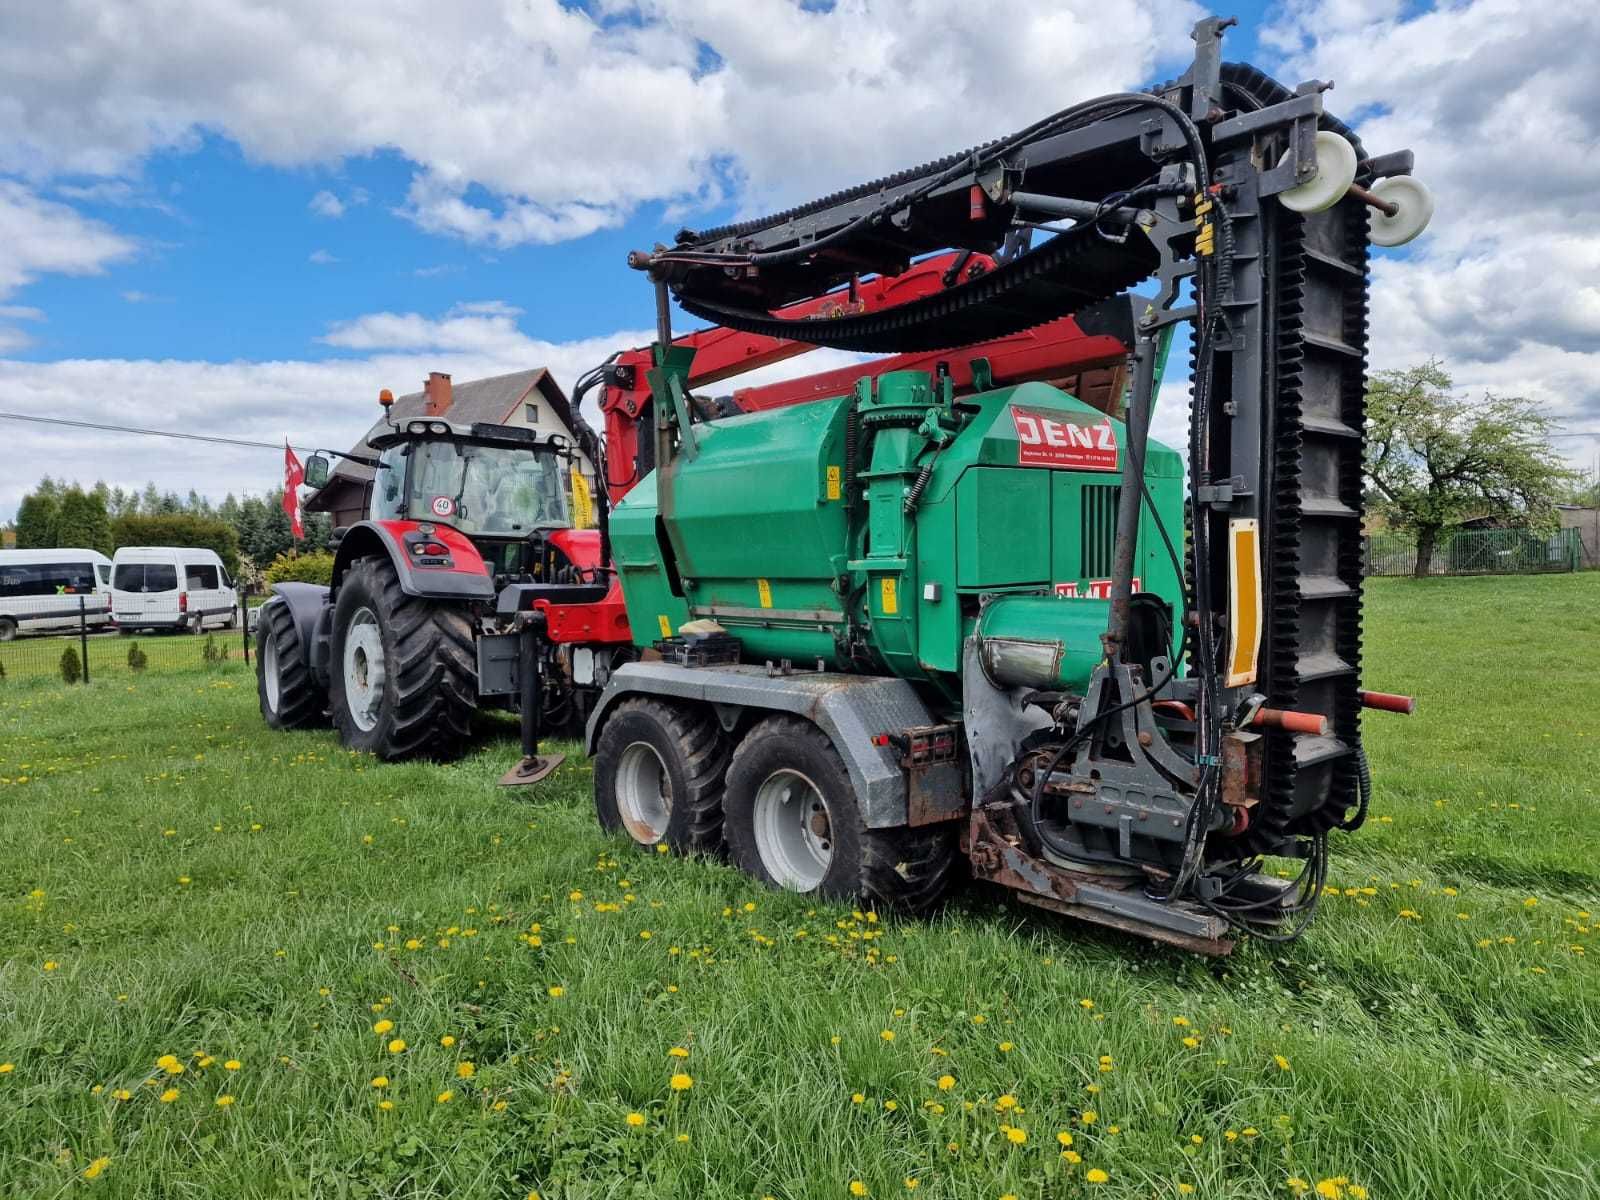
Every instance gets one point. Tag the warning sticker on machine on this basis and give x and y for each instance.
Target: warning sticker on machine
(1071, 441)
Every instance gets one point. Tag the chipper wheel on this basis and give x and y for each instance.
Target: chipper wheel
(403, 673)
(791, 820)
(658, 775)
(289, 695)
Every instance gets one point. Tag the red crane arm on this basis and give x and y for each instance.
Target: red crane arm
(1091, 366)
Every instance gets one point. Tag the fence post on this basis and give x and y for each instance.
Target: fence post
(244, 622)
(83, 633)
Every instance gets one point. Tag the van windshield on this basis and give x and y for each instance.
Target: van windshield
(146, 577)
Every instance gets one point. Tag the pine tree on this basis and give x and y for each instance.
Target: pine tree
(81, 521)
(36, 519)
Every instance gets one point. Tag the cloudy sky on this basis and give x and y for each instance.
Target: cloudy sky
(244, 217)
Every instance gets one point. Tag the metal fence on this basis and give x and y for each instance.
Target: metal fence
(90, 649)
(1477, 552)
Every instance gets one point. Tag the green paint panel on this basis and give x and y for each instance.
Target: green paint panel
(1003, 527)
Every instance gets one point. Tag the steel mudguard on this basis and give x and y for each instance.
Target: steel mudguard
(466, 579)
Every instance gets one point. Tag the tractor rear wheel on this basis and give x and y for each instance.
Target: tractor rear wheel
(792, 821)
(403, 676)
(658, 772)
(290, 696)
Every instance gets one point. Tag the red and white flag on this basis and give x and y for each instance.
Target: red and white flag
(293, 476)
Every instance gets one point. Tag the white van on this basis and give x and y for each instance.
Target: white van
(171, 587)
(39, 590)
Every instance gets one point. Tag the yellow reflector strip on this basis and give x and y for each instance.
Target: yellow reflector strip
(833, 483)
(666, 625)
(1244, 601)
(891, 596)
(764, 590)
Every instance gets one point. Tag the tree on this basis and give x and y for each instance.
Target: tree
(36, 521)
(81, 520)
(179, 529)
(1434, 459)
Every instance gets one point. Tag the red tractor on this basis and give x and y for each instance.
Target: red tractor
(469, 534)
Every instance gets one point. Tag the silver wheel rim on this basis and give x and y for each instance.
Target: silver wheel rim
(269, 670)
(793, 834)
(364, 672)
(644, 793)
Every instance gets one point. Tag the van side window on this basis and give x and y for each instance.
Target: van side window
(47, 579)
(201, 577)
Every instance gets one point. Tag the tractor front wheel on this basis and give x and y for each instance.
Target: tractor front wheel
(290, 696)
(658, 776)
(403, 674)
(792, 821)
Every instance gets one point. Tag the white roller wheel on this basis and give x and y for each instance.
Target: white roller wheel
(1336, 171)
(1414, 203)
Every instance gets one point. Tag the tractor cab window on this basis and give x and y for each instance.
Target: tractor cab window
(489, 490)
(388, 485)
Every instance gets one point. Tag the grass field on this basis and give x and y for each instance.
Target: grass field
(34, 658)
(403, 981)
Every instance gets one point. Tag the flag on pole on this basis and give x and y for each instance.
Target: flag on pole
(293, 476)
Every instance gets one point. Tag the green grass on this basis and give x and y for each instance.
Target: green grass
(208, 890)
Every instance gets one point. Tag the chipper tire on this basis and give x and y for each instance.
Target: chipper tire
(289, 694)
(658, 775)
(792, 821)
(403, 670)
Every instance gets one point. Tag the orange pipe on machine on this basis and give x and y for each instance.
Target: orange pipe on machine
(1291, 721)
(1389, 702)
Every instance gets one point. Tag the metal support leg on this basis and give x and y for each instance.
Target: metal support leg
(1135, 432)
(534, 766)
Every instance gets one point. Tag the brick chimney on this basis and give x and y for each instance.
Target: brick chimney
(436, 394)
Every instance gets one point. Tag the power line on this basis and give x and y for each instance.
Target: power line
(166, 433)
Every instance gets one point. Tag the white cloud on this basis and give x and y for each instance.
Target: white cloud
(326, 204)
(1501, 103)
(328, 403)
(39, 236)
(567, 120)
(321, 258)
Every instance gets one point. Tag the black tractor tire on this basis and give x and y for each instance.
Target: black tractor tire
(422, 704)
(903, 868)
(658, 775)
(290, 696)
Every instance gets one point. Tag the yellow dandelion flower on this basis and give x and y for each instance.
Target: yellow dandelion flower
(397, 1046)
(1006, 1103)
(1297, 1185)
(1283, 1063)
(946, 1082)
(912, 1183)
(1096, 1175)
(1196, 1140)
(678, 1052)
(682, 1139)
(96, 1168)
(635, 1119)
(681, 1082)
(122, 1094)
(386, 1105)
(1064, 1138)
(465, 1070)
(7, 1068)
(1017, 1137)
(886, 1034)
(1186, 1189)
(413, 944)
(557, 991)
(857, 1188)
(857, 1098)
(978, 1018)
(224, 1101)
(1086, 1004)
(382, 1026)
(168, 1096)
(1181, 1022)
(1007, 1047)
(1072, 1156)
(444, 1097)
(1088, 1116)
(1191, 1041)
(380, 1081)
(233, 1064)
